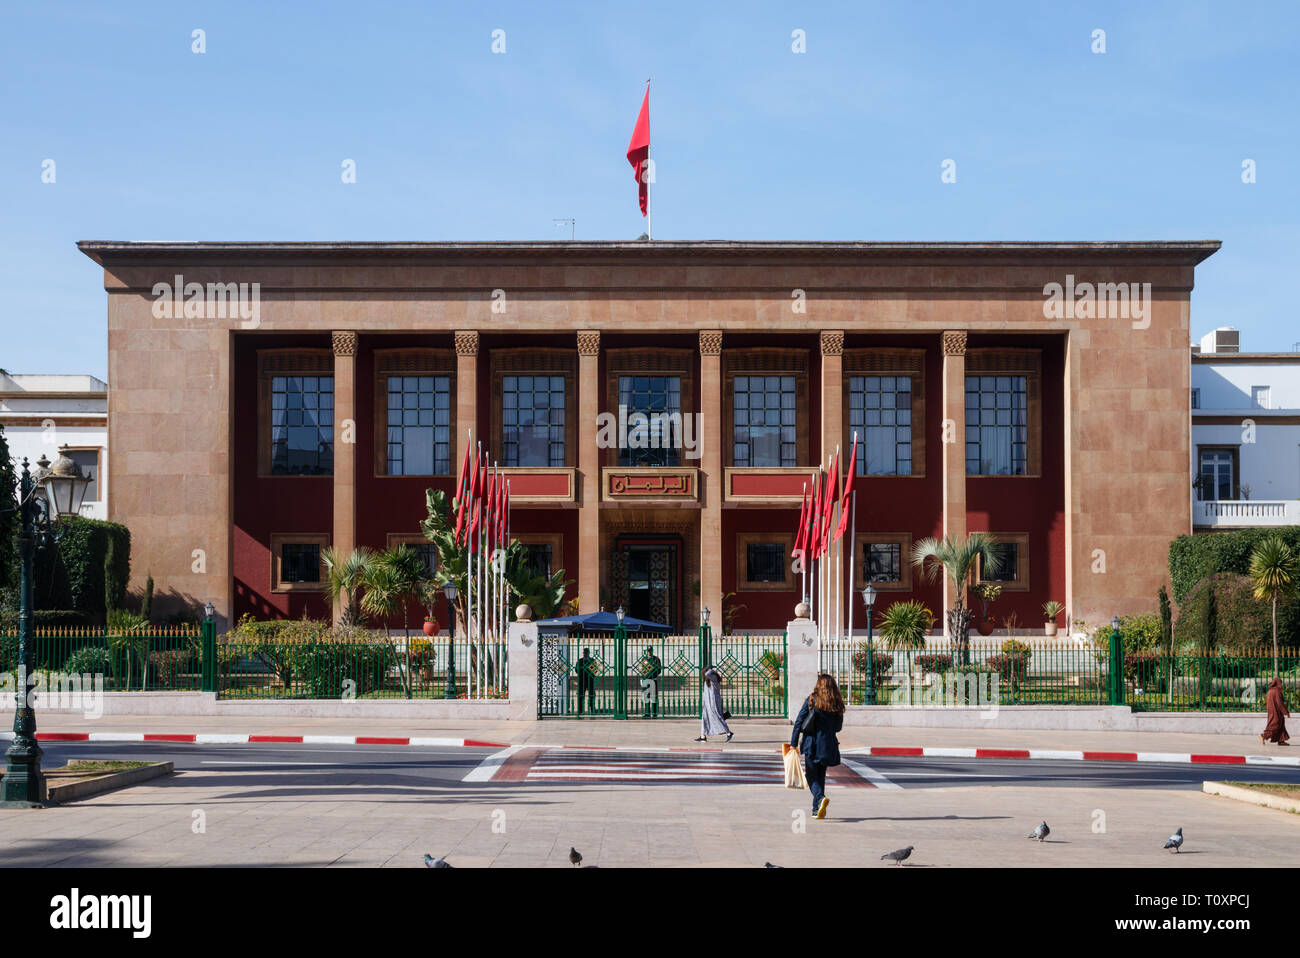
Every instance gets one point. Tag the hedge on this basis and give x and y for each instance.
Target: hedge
(89, 569)
(1243, 623)
(1193, 557)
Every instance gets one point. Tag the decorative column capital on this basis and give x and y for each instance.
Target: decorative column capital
(710, 342)
(832, 342)
(345, 344)
(589, 342)
(466, 342)
(954, 343)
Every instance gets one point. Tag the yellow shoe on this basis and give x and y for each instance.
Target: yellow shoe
(821, 809)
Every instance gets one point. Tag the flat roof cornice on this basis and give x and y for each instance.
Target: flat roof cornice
(1186, 253)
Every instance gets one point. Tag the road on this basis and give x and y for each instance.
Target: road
(386, 806)
(446, 766)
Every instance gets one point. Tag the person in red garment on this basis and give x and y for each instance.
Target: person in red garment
(1275, 730)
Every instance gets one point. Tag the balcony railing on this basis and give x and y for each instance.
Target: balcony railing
(1245, 513)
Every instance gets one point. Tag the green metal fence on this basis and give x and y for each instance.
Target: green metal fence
(159, 659)
(371, 668)
(612, 675)
(1054, 673)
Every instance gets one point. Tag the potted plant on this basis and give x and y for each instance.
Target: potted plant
(428, 592)
(988, 593)
(1051, 610)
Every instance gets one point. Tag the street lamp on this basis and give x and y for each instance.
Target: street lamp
(619, 613)
(54, 491)
(209, 612)
(451, 592)
(869, 600)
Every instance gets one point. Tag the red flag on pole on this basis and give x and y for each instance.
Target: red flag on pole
(476, 491)
(638, 149)
(801, 534)
(848, 489)
(462, 487)
(832, 496)
(818, 515)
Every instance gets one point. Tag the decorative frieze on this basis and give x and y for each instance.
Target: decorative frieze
(710, 342)
(466, 342)
(345, 344)
(954, 343)
(588, 342)
(832, 342)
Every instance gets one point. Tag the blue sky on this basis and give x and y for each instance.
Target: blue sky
(751, 141)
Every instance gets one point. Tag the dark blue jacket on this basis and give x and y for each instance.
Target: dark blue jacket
(820, 745)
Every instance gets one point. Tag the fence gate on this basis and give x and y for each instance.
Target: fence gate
(613, 675)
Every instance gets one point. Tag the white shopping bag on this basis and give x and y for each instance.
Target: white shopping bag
(794, 776)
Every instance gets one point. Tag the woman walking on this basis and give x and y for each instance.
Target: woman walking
(1275, 730)
(712, 721)
(820, 718)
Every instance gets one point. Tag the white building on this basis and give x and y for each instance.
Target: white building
(42, 413)
(1245, 435)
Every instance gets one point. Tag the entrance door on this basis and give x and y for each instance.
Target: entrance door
(647, 575)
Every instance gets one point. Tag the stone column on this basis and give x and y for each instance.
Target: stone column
(589, 392)
(522, 643)
(466, 394)
(344, 535)
(954, 446)
(802, 660)
(832, 393)
(710, 464)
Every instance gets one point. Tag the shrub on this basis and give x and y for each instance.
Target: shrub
(881, 662)
(1016, 648)
(89, 660)
(772, 663)
(89, 568)
(53, 618)
(1008, 665)
(905, 625)
(167, 666)
(1193, 558)
(1243, 623)
(933, 663)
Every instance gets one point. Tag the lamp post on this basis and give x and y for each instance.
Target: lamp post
(620, 666)
(451, 592)
(869, 600)
(55, 490)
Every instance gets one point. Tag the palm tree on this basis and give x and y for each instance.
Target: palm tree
(957, 557)
(344, 576)
(1274, 568)
(385, 593)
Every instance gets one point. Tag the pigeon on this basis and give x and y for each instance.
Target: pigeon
(574, 856)
(1175, 841)
(1041, 832)
(899, 855)
(770, 865)
(431, 862)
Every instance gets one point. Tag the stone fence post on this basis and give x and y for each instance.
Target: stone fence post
(522, 638)
(803, 659)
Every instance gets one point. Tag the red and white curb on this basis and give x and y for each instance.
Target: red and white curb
(885, 751)
(1177, 758)
(240, 738)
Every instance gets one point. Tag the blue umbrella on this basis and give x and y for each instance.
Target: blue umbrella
(606, 622)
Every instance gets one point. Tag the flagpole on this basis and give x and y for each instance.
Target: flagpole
(469, 566)
(649, 233)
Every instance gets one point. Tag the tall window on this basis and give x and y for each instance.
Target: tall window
(1196, 398)
(1216, 474)
(537, 559)
(299, 562)
(419, 425)
(764, 426)
(1008, 569)
(302, 425)
(884, 561)
(532, 420)
(765, 562)
(996, 425)
(653, 406)
(88, 460)
(880, 412)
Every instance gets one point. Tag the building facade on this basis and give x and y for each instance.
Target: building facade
(41, 413)
(658, 408)
(1246, 436)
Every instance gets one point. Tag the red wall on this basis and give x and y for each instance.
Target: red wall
(1037, 506)
(261, 506)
